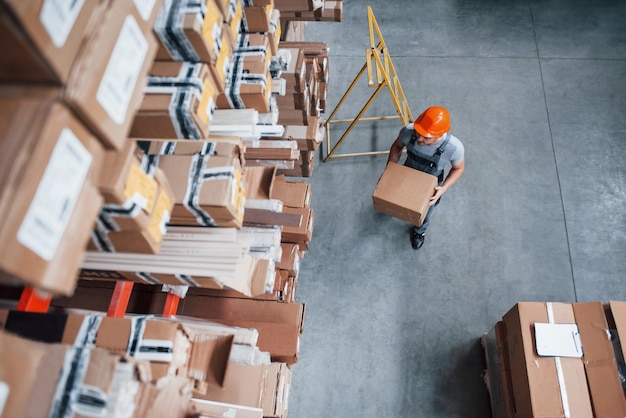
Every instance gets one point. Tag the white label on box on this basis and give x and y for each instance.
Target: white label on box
(120, 76)
(55, 198)
(558, 340)
(58, 17)
(4, 395)
(144, 7)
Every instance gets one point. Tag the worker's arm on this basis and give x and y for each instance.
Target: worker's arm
(395, 151)
(456, 171)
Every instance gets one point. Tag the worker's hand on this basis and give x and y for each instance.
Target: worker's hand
(439, 191)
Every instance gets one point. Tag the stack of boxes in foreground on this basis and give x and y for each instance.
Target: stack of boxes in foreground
(549, 359)
(163, 142)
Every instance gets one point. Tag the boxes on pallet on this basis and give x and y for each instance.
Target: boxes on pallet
(525, 381)
(48, 199)
(404, 193)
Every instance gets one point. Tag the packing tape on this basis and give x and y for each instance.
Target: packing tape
(169, 28)
(100, 235)
(147, 349)
(169, 148)
(198, 175)
(66, 395)
(188, 280)
(71, 395)
(559, 368)
(186, 86)
(149, 164)
(88, 331)
(180, 113)
(191, 199)
(238, 77)
(131, 208)
(146, 277)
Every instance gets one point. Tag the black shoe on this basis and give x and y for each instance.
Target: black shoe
(417, 240)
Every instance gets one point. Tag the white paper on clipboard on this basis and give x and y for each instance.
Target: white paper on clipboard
(562, 340)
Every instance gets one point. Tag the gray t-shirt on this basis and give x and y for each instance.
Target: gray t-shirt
(453, 152)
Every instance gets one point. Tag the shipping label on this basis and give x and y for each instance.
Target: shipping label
(58, 17)
(121, 74)
(55, 197)
(144, 7)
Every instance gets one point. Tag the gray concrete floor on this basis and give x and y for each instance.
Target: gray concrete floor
(537, 92)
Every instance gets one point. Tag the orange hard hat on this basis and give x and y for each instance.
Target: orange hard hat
(434, 121)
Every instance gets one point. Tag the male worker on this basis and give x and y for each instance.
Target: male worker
(430, 147)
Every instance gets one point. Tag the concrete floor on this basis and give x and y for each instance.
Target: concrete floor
(537, 93)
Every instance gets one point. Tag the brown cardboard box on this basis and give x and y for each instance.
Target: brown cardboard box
(276, 390)
(298, 5)
(118, 166)
(170, 347)
(44, 377)
(303, 233)
(39, 43)
(498, 372)
(208, 189)
(543, 386)
(404, 193)
(279, 324)
(309, 136)
(248, 85)
(227, 146)
(47, 198)
(290, 258)
(210, 408)
(257, 18)
(106, 84)
(295, 194)
(179, 101)
(194, 38)
(295, 74)
(243, 385)
(605, 386)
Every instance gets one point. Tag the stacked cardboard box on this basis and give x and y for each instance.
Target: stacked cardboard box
(331, 11)
(83, 66)
(179, 102)
(259, 390)
(248, 81)
(279, 323)
(138, 200)
(42, 377)
(48, 196)
(531, 377)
